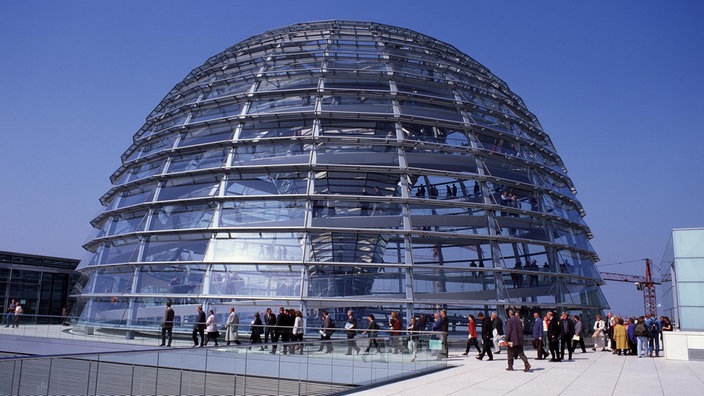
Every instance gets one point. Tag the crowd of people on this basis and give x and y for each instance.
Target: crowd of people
(555, 337)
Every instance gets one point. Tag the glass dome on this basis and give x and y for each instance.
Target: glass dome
(339, 164)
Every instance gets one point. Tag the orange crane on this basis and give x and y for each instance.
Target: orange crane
(644, 283)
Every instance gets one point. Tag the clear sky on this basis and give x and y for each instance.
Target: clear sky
(618, 86)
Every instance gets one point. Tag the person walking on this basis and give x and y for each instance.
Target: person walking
(371, 332)
(471, 336)
(199, 327)
(497, 331)
(514, 340)
(486, 336)
(211, 325)
(10, 313)
(232, 326)
(351, 327)
(326, 332)
(167, 325)
(578, 338)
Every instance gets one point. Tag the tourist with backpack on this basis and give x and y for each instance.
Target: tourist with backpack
(654, 341)
(642, 333)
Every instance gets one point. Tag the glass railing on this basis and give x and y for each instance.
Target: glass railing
(305, 367)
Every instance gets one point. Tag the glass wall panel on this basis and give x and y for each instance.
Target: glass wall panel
(262, 212)
(245, 247)
(266, 184)
(190, 187)
(117, 251)
(249, 280)
(690, 269)
(181, 247)
(198, 160)
(182, 216)
(112, 280)
(207, 134)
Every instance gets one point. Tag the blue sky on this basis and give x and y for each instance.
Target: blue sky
(618, 86)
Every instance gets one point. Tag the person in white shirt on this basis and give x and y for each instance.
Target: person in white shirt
(599, 340)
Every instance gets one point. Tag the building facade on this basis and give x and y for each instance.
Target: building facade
(339, 164)
(41, 284)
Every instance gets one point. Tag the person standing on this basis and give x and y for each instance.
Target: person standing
(167, 325)
(351, 327)
(486, 336)
(18, 312)
(620, 337)
(471, 336)
(270, 329)
(567, 329)
(297, 333)
(232, 326)
(10, 313)
(256, 330)
(395, 331)
(199, 327)
(554, 334)
(514, 339)
(641, 332)
(599, 334)
(280, 331)
(538, 336)
(654, 341)
(445, 330)
(412, 330)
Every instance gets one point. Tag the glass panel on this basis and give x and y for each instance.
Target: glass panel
(198, 160)
(266, 184)
(290, 128)
(182, 217)
(265, 213)
(118, 251)
(189, 188)
(689, 270)
(165, 143)
(125, 223)
(243, 247)
(207, 134)
(215, 111)
(182, 247)
(247, 280)
(136, 196)
(279, 104)
(360, 102)
(113, 280)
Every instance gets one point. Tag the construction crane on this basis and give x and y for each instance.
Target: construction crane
(643, 283)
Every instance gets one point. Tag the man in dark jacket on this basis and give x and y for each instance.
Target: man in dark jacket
(167, 325)
(554, 334)
(199, 327)
(486, 336)
(270, 326)
(538, 336)
(567, 328)
(514, 338)
(351, 327)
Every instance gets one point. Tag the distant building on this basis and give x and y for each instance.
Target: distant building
(339, 164)
(683, 295)
(42, 284)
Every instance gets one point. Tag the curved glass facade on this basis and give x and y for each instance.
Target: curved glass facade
(339, 164)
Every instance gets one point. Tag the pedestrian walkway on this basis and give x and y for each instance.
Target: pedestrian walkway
(592, 373)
